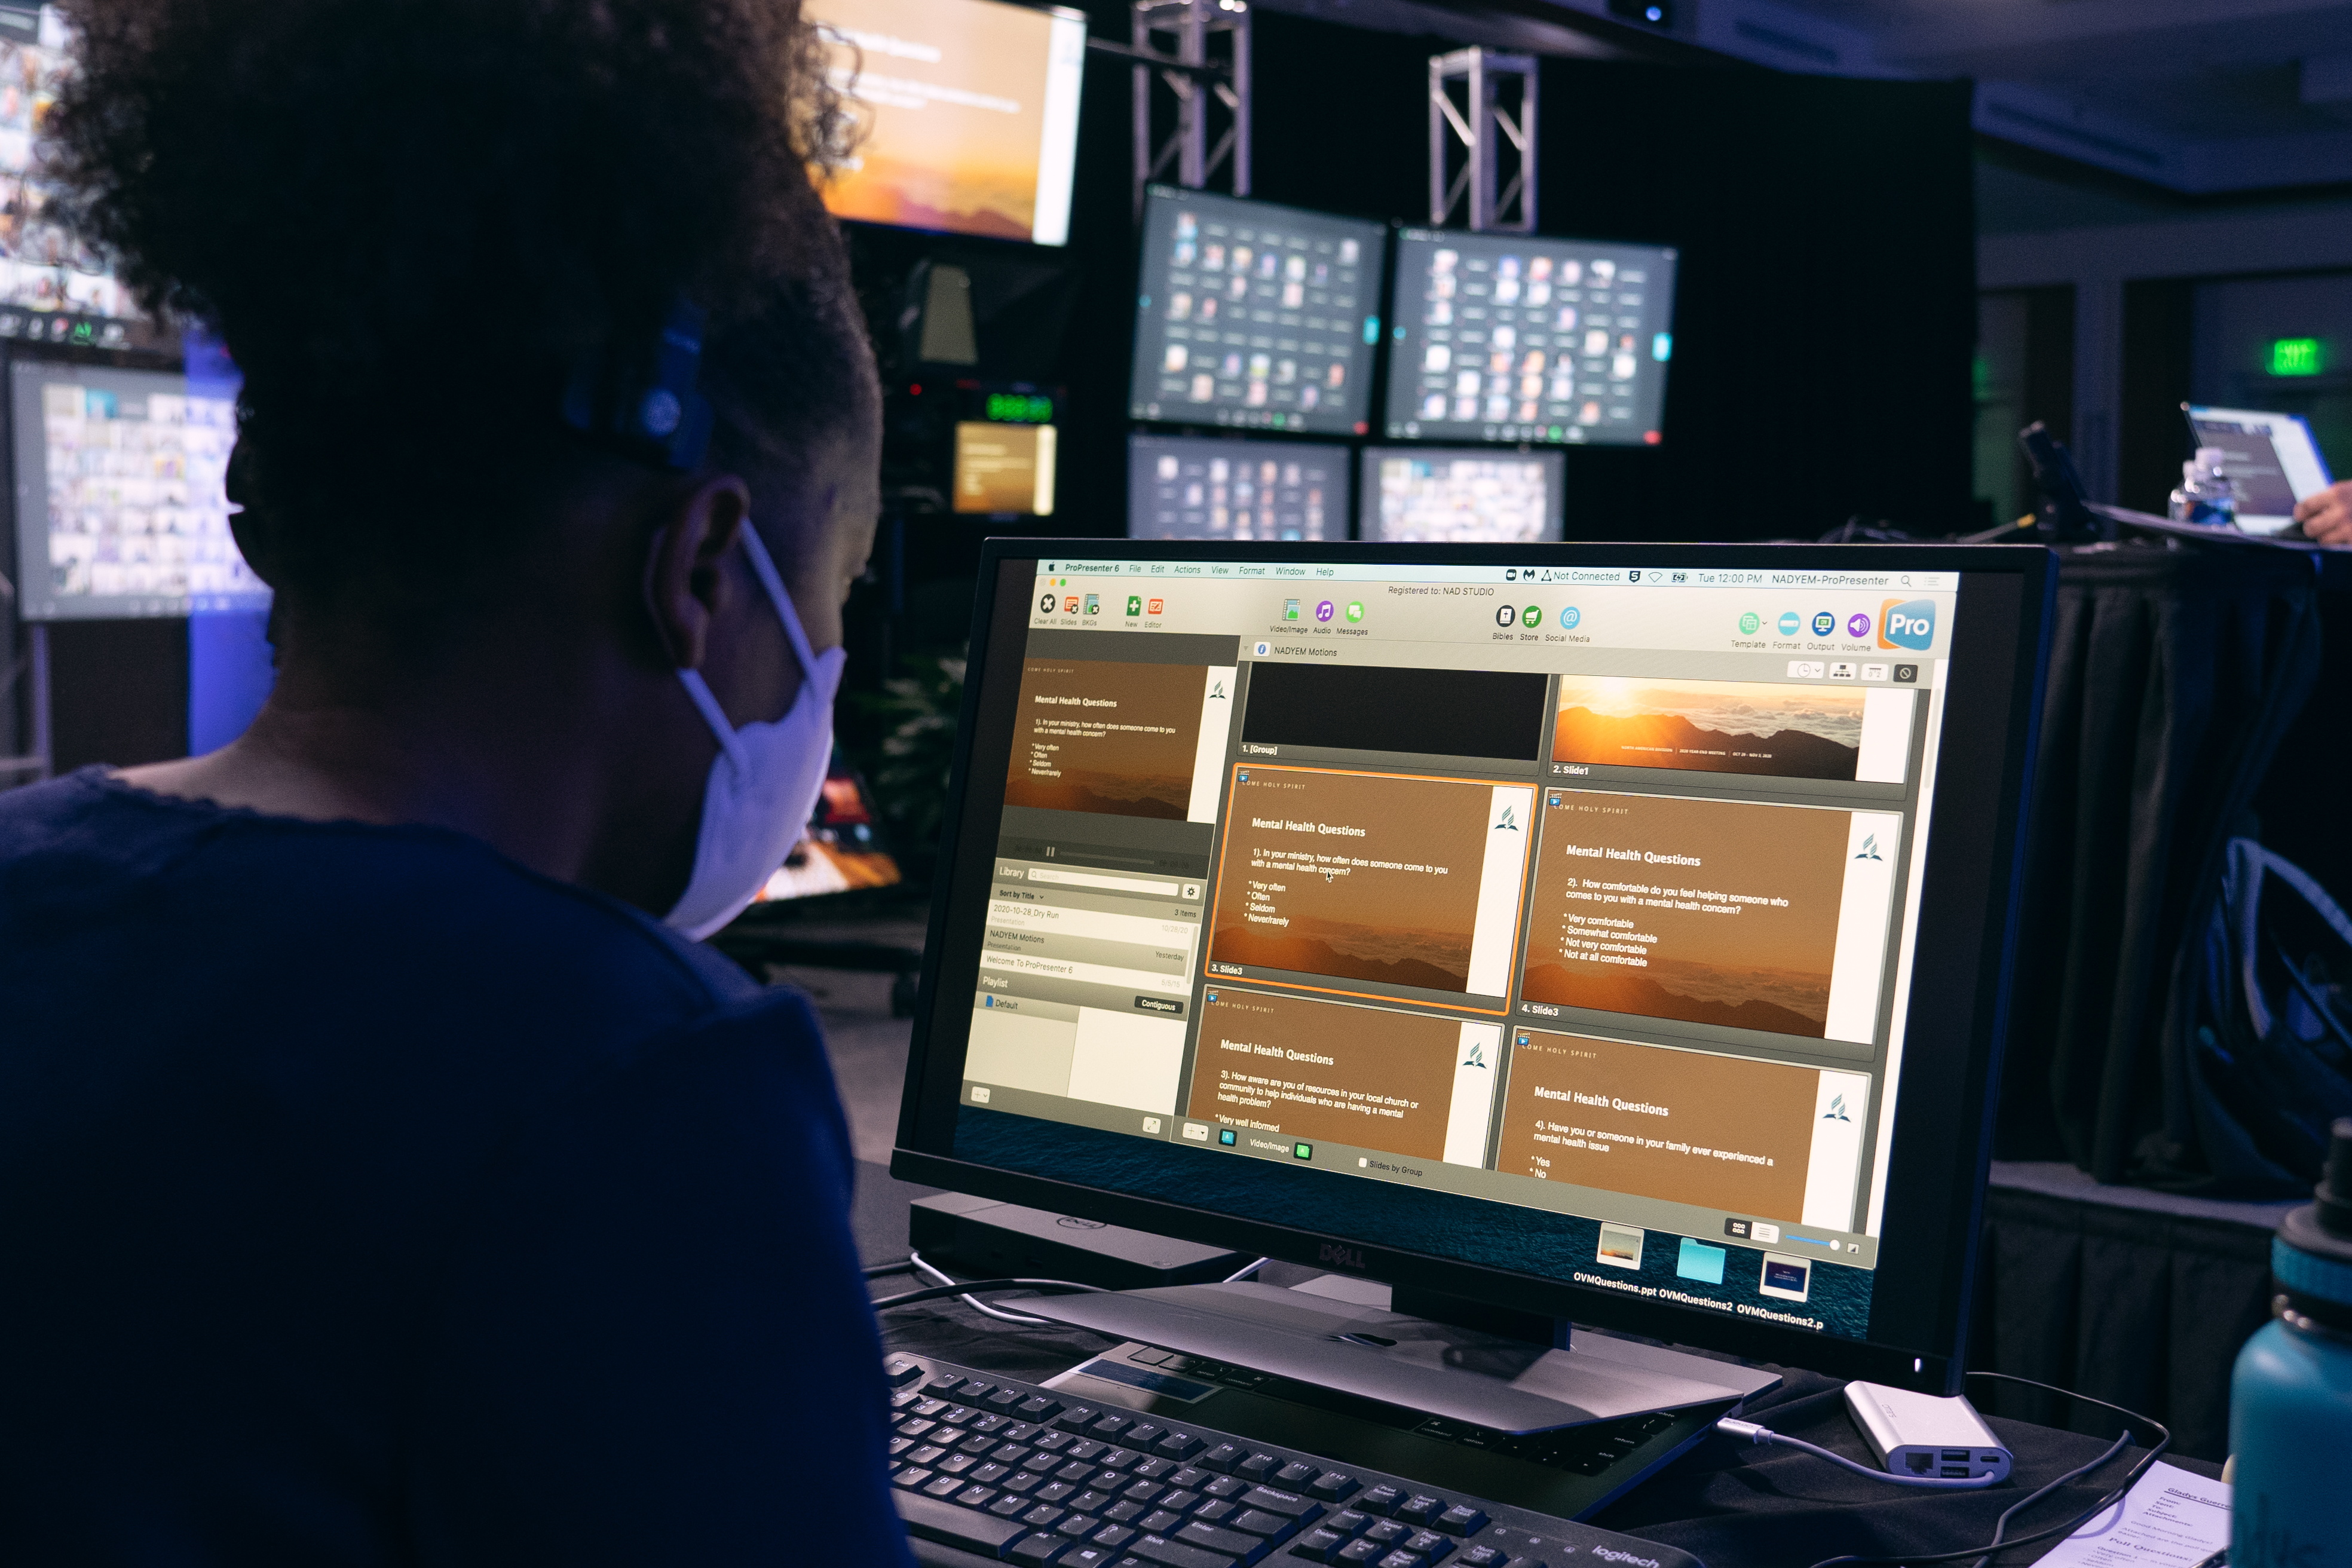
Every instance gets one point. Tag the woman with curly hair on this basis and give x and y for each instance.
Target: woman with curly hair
(387, 1174)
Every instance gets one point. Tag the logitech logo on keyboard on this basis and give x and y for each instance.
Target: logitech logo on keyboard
(1611, 1555)
(1339, 1253)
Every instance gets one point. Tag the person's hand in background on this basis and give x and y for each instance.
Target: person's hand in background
(2327, 517)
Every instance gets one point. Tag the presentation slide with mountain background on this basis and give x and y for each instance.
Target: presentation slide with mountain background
(1733, 727)
(1094, 735)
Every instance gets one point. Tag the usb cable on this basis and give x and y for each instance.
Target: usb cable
(1750, 1432)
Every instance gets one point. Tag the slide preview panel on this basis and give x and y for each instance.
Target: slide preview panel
(1126, 740)
(1769, 1139)
(1400, 881)
(1748, 916)
(1764, 728)
(1317, 1071)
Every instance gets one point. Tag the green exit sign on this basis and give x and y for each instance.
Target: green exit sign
(2295, 356)
(1014, 408)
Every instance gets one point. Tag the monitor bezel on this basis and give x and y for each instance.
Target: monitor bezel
(1964, 956)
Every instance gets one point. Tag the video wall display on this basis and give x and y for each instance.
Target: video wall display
(967, 113)
(1207, 487)
(53, 287)
(1255, 316)
(1464, 495)
(1520, 338)
(121, 509)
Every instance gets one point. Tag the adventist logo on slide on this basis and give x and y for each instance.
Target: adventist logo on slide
(1911, 626)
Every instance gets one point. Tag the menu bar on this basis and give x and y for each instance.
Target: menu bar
(1597, 576)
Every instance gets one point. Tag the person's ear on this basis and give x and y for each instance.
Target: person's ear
(686, 576)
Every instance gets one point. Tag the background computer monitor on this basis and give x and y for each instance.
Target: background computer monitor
(1464, 495)
(119, 504)
(1522, 338)
(967, 113)
(1205, 488)
(2271, 458)
(1004, 468)
(841, 850)
(1604, 931)
(1255, 316)
(53, 287)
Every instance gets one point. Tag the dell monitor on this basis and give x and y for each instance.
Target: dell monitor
(1469, 495)
(1519, 338)
(1254, 316)
(2271, 458)
(1204, 488)
(967, 114)
(121, 509)
(1613, 934)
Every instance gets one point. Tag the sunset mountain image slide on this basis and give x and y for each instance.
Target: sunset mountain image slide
(1709, 726)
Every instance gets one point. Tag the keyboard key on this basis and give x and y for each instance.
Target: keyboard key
(1402, 1559)
(1035, 1551)
(1381, 1500)
(898, 1371)
(1318, 1544)
(1143, 1434)
(1113, 1536)
(943, 1486)
(913, 1476)
(1004, 1399)
(1054, 1442)
(914, 1426)
(1037, 1408)
(1388, 1534)
(1290, 1505)
(1077, 1527)
(956, 1464)
(1358, 1551)
(900, 1446)
(973, 1391)
(1075, 1470)
(1091, 1501)
(1045, 1516)
(1177, 1445)
(1010, 1504)
(1216, 1511)
(1179, 1501)
(1331, 1486)
(1087, 1448)
(1126, 1512)
(1152, 1470)
(1078, 1417)
(1177, 1554)
(1295, 1474)
(975, 1497)
(1526, 1563)
(1481, 1557)
(1110, 1425)
(1349, 1523)
(928, 1406)
(1461, 1520)
(1272, 1527)
(1226, 1486)
(943, 1383)
(989, 1474)
(943, 1522)
(1118, 1458)
(906, 1396)
(1160, 1521)
(1010, 1453)
(1087, 1557)
(1420, 1509)
(1223, 1456)
(1257, 1467)
(977, 1443)
(1058, 1491)
(1231, 1542)
(1144, 1490)
(1024, 1481)
(1428, 1545)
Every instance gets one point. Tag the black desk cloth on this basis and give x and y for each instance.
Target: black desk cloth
(2174, 674)
(1731, 1505)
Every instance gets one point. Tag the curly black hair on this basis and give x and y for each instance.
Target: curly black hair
(412, 221)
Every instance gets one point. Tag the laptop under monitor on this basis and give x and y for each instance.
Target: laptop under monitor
(2272, 457)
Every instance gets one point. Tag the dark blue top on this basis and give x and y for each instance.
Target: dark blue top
(366, 1198)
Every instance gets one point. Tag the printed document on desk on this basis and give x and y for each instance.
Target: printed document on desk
(2170, 1519)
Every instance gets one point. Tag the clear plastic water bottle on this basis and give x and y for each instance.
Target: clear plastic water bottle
(2206, 494)
(2291, 1395)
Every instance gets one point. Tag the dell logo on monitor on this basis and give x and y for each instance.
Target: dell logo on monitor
(1343, 1256)
(1911, 626)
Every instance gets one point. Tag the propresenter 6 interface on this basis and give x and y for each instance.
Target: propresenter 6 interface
(1590, 893)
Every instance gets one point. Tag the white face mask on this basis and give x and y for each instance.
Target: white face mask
(765, 780)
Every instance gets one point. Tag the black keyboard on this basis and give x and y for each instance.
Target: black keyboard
(1010, 1471)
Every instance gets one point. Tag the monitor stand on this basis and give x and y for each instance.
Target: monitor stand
(1450, 1371)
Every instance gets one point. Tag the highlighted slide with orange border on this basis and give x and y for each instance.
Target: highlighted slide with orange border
(1774, 729)
(1407, 881)
(1127, 740)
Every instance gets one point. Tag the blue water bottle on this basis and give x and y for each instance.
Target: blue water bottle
(2291, 1396)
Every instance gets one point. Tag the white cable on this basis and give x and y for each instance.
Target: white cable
(1764, 1434)
(1245, 1272)
(974, 1303)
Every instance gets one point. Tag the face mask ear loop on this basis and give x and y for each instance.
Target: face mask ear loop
(764, 568)
(715, 716)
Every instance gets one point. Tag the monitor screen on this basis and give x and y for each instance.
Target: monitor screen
(967, 114)
(1203, 488)
(53, 288)
(1472, 495)
(840, 850)
(1611, 927)
(1004, 469)
(2271, 458)
(1255, 316)
(121, 509)
(1517, 338)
